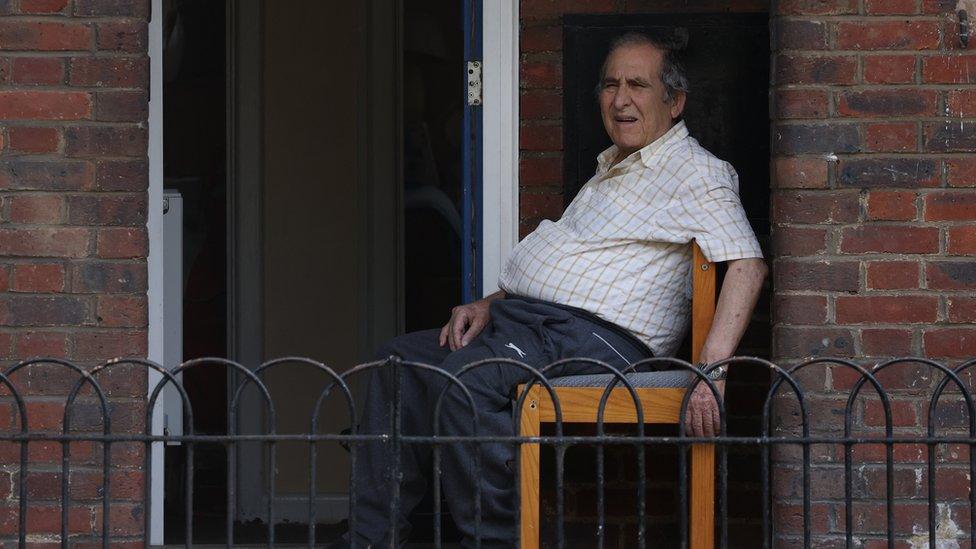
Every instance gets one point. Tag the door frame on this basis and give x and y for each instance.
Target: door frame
(245, 138)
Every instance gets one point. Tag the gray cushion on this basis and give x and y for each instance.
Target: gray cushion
(662, 379)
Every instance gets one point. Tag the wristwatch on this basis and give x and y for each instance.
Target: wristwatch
(718, 374)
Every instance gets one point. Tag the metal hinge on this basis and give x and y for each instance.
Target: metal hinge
(474, 82)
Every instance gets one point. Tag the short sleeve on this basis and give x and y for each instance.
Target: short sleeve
(716, 220)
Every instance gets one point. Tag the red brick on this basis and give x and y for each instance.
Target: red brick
(108, 277)
(877, 172)
(47, 520)
(890, 239)
(111, 72)
(889, 69)
(43, 344)
(950, 206)
(816, 7)
(823, 139)
(538, 171)
(950, 342)
(887, 103)
(903, 413)
(122, 243)
(892, 275)
(30, 174)
(546, 74)
(831, 276)
(961, 102)
(962, 240)
(795, 342)
(799, 309)
(122, 175)
(38, 277)
(890, 7)
(961, 309)
(86, 141)
(541, 137)
(548, 206)
(121, 311)
(886, 309)
(948, 136)
(33, 140)
(53, 310)
(122, 8)
(42, 6)
(802, 103)
(45, 242)
(125, 485)
(540, 105)
(891, 206)
(950, 69)
(37, 70)
(792, 34)
(883, 342)
(4, 278)
(44, 105)
(951, 275)
(815, 206)
(124, 36)
(800, 241)
(887, 35)
(121, 106)
(891, 137)
(91, 209)
(800, 172)
(831, 69)
(540, 38)
(938, 6)
(25, 35)
(36, 208)
(107, 344)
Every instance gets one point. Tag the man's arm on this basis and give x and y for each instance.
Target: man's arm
(740, 291)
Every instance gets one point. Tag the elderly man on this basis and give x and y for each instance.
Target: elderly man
(608, 281)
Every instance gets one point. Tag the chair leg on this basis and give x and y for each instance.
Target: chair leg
(702, 525)
(529, 463)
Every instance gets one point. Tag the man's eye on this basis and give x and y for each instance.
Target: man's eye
(609, 85)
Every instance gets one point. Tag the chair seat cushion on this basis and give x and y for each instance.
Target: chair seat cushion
(662, 379)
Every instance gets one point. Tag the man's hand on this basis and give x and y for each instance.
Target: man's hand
(702, 417)
(467, 321)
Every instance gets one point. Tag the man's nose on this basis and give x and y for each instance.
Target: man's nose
(622, 97)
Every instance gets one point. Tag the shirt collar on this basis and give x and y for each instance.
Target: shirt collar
(647, 154)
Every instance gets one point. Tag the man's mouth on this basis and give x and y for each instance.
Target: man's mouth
(625, 119)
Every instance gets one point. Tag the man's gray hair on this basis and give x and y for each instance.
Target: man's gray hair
(673, 75)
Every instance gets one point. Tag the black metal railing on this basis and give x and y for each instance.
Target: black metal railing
(795, 439)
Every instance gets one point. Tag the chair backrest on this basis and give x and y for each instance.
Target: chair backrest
(702, 300)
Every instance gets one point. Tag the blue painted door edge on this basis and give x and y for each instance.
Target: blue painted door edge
(471, 163)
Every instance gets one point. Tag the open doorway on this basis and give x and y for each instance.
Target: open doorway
(317, 149)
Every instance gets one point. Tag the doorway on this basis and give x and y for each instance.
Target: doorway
(328, 141)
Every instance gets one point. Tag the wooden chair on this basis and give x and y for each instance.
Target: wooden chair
(660, 405)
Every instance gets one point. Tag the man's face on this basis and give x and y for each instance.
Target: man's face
(633, 102)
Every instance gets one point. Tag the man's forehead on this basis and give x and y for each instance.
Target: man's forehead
(634, 60)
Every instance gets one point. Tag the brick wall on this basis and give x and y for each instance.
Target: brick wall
(73, 244)
(873, 205)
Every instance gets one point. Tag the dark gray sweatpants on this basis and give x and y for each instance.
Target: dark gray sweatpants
(534, 333)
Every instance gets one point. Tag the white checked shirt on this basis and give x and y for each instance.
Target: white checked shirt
(621, 250)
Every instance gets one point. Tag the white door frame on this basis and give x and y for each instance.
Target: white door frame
(154, 228)
(500, 188)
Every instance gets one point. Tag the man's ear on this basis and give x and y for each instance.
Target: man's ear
(678, 104)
